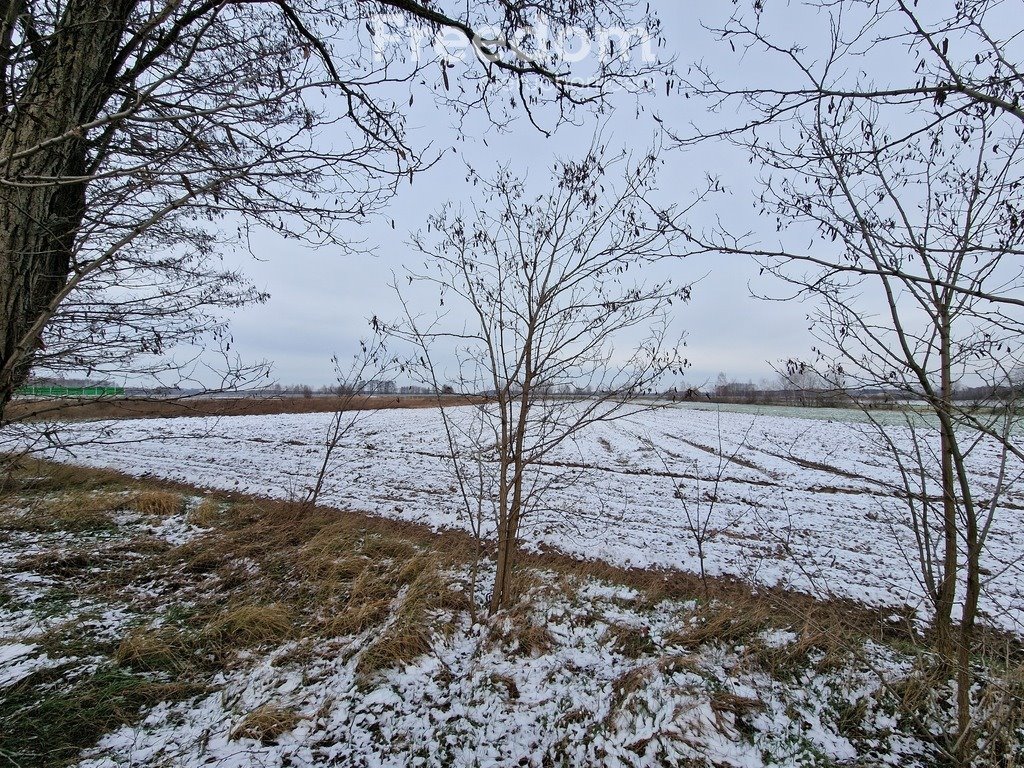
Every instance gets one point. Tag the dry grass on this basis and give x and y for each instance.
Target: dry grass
(418, 617)
(633, 680)
(63, 564)
(76, 510)
(366, 604)
(732, 713)
(520, 631)
(379, 547)
(624, 686)
(505, 684)
(26, 475)
(827, 648)
(267, 723)
(730, 624)
(249, 625)
(632, 642)
(156, 503)
(1000, 714)
(356, 618)
(155, 649)
(205, 514)
(400, 643)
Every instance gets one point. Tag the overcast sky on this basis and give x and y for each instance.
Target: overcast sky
(321, 300)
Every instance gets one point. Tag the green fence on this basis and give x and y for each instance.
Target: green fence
(41, 391)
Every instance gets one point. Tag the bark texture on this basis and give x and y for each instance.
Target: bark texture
(45, 156)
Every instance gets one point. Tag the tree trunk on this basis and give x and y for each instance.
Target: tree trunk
(964, 678)
(511, 508)
(508, 538)
(972, 594)
(943, 624)
(43, 190)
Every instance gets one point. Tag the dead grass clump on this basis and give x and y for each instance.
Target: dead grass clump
(378, 547)
(727, 623)
(824, 648)
(330, 579)
(244, 514)
(733, 713)
(402, 642)
(329, 560)
(851, 715)
(418, 618)
(249, 625)
(519, 628)
(525, 585)
(154, 649)
(533, 639)
(632, 642)
(62, 564)
(205, 514)
(506, 684)
(917, 695)
(267, 723)
(331, 542)
(624, 687)
(676, 663)
(430, 588)
(155, 503)
(198, 559)
(357, 618)
(72, 511)
(367, 602)
(374, 582)
(520, 632)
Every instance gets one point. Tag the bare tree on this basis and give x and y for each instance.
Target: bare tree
(351, 409)
(915, 292)
(699, 501)
(933, 61)
(536, 297)
(138, 140)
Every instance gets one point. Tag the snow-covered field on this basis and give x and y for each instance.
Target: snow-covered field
(803, 503)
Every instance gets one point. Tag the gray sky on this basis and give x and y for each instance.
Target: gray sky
(321, 300)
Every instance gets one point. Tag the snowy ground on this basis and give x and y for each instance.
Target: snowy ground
(118, 647)
(580, 703)
(804, 503)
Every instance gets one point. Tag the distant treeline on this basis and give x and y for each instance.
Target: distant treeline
(748, 393)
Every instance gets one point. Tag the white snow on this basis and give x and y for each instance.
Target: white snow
(472, 702)
(18, 661)
(808, 504)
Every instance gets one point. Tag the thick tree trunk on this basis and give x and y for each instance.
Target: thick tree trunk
(42, 190)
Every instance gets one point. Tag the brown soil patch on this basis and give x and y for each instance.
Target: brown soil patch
(139, 408)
